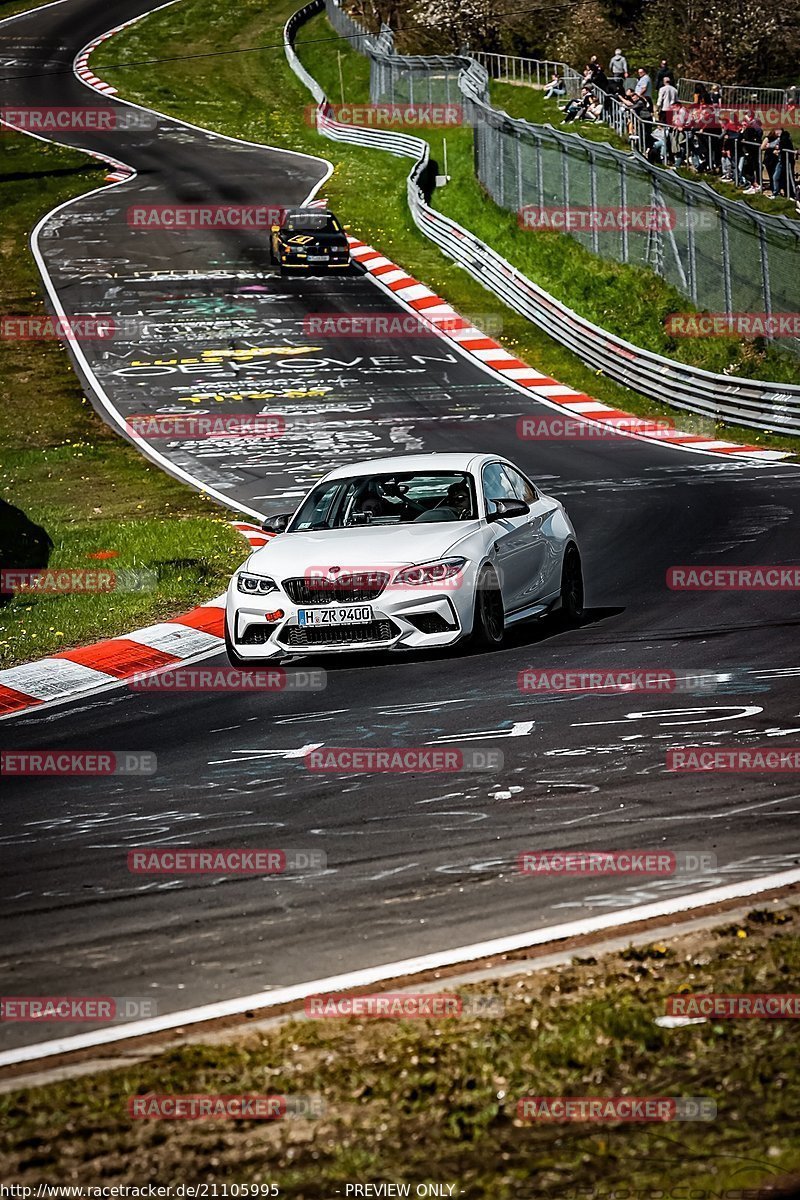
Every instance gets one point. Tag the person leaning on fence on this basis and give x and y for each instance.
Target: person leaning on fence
(556, 87)
(640, 132)
(730, 147)
(781, 163)
(679, 134)
(749, 159)
(705, 138)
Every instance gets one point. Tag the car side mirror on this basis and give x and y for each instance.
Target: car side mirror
(507, 508)
(276, 523)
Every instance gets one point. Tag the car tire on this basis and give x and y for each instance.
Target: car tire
(488, 626)
(570, 610)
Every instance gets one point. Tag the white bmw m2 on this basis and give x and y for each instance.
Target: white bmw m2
(406, 553)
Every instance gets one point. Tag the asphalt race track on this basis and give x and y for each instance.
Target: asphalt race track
(415, 863)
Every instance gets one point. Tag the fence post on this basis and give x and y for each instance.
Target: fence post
(623, 198)
(691, 247)
(539, 175)
(765, 284)
(726, 259)
(593, 197)
(520, 200)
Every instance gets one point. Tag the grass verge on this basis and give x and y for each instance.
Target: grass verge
(435, 1100)
(254, 95)
(69, 472)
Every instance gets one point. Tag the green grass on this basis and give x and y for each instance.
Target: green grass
(254, 95)
(68, 471)
(9, 8)
(435, 1100)
(528, 103)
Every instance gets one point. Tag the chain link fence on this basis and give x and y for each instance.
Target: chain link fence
(732, 94)
(721, 255)
(755, 403)
(530, 72)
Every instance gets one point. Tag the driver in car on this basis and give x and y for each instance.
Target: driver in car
(459, 499)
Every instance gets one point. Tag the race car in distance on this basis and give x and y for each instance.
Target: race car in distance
(309, 238)
(402, 554)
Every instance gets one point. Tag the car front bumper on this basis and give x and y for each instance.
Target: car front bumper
(402, 619)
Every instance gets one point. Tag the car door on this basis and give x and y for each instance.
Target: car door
(542, 548)
(511, 536)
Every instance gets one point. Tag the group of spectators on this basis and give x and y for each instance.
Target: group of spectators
(711, 137)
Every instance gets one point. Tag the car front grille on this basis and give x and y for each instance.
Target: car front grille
(351, 588)
(341, 635)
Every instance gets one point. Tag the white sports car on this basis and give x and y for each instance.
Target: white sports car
(405, 553)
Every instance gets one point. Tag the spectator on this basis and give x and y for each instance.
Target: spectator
(730, 151)
(594, 74)
(556, 87)
(707, 139)
(779, 145)
(640, 125)
(679, 135)
(715, 95)
(749, 160)
(594, 111)
(662, 73)
(643, 87)
(618, 66)
(576, 109)
(667, 95)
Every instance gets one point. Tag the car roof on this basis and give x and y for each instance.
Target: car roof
(307, 212)
(414, 462)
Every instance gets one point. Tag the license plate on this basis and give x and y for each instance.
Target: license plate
(352, 615)
(317, 258)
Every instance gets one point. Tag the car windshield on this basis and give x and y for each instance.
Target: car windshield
(400, 499)
(312, 223)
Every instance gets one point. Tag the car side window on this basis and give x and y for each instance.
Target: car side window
(523, 489)
(496, 485)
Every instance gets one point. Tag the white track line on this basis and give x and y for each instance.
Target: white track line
(396, 970)
(114, 417)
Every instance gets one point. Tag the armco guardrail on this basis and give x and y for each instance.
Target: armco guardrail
(752, 403)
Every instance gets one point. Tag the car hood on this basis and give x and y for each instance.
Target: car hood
(290, 554)
(324, 238)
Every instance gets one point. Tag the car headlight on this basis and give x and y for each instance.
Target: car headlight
(430, 573)
(255, 585)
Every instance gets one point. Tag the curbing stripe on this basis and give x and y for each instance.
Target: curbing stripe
(492, 356)
(88, 669)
